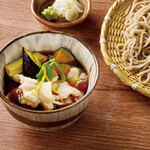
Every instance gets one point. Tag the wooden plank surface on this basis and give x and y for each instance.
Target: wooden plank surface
(117, 118)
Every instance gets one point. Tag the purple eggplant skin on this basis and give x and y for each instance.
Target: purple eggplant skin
(30, 69)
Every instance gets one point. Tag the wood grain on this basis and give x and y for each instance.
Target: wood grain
(117, 118)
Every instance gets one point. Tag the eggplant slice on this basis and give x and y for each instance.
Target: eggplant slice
(30, 67)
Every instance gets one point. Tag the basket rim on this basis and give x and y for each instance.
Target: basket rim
(108, 60)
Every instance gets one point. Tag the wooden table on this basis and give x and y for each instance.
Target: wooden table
(116, 118)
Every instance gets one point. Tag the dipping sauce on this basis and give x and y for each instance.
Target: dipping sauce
(53, 82)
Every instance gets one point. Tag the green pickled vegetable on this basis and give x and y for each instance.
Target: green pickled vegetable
(50, 13)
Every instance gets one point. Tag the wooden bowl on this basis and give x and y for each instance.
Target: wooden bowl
(37, 7)
(38, 41)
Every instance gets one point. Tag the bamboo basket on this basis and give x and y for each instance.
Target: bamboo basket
(112, 34)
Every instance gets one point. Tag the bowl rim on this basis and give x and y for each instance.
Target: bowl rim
(63, 24)
(66, 107)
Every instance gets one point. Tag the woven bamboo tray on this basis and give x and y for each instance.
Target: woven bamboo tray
(111, 35)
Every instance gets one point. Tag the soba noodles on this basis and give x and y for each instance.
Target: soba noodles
(136, 49)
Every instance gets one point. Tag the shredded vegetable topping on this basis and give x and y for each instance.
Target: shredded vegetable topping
(42, 80)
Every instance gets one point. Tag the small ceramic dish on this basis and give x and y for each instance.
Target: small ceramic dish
(37, 6)
(46, 40)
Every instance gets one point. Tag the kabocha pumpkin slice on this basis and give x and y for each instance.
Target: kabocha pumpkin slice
(65, 68)
(31, 65)
(16, 66)
(64, 56)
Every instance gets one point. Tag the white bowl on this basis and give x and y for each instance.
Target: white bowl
(38, 41)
